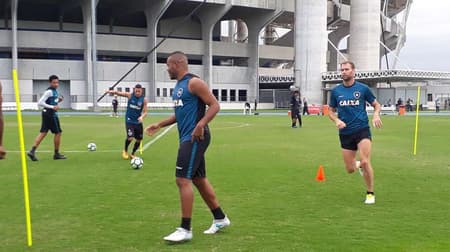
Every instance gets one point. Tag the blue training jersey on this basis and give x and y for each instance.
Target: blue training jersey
(350, 103)
(189, 108)
(134, 109)
(48, 101)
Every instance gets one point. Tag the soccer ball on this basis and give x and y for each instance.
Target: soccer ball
(137, 163)
(91, 147)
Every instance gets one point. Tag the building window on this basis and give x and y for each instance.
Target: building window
(158, 92)
(430, 97)
(216, 93)
(119, 89)
(232, 95)
(171, 92)
(242, 95)
(127, 89)
(164, 92)
(224, 94)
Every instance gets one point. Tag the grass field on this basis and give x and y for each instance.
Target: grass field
(264, 176)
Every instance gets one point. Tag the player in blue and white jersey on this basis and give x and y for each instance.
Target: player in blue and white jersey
(191, 95)
(349, 100)
(134, 116)
(50, 121)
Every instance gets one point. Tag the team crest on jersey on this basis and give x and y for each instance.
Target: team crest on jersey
(356, 94)
(179, 92)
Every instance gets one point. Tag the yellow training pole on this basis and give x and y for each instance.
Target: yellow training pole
(23, 158)
(417, 120)
(140, 147)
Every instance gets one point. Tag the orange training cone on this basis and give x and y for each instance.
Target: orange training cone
(320, 174)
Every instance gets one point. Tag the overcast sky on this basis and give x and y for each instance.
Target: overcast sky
(427, 44)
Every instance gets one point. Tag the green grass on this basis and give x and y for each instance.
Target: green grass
(264, 176)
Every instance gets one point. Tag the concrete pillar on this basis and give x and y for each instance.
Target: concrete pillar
(209, 16)
(365, 31)
(88, 66)
(94, 52)
(153, 12)
(14, 7)
(254, 25)
(310, 47)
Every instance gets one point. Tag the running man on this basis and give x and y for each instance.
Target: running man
(134, 116)
(190, 96)
(2, 149)
(50, 121)
(349, 100)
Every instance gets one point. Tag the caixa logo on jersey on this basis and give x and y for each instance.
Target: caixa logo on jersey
(178, 102)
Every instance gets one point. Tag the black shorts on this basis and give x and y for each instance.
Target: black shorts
(135, 131)
(350, 142)
(191, 159)
(50, 122)
(295, 114)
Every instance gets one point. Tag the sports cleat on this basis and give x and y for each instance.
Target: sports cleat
(358, 165)
(370, 199)
(59, 156)
(218, 225)
(125, 155)
(180, 235)
(32, 156)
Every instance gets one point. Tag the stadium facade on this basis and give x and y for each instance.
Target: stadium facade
(244, 49)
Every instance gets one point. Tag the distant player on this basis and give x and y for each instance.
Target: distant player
(2, 149)
(349, 101)
(134, 116)
(190, 96)
(115, 104)
(295, 110)
(50, 121)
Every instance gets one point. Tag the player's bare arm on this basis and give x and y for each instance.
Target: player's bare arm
(200, 89)
(119, 93)
(376, 120)
(332, 115)
(144, 111)
(153, 128)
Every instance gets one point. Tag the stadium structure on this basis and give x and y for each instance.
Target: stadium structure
(246, 50)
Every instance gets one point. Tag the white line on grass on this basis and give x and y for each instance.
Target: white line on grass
(147, 145)
(237, 125)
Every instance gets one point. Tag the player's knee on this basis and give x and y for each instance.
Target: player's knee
(182, 182)
(350, 169)
(364, 163)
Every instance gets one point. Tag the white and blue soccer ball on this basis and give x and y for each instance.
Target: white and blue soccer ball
(137, 163)
(92, 147)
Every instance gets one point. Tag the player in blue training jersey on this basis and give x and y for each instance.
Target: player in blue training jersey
(134, 116)
(190, 96)
(50, 121)
(349, 100)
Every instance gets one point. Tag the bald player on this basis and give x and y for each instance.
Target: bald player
(190, 96)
